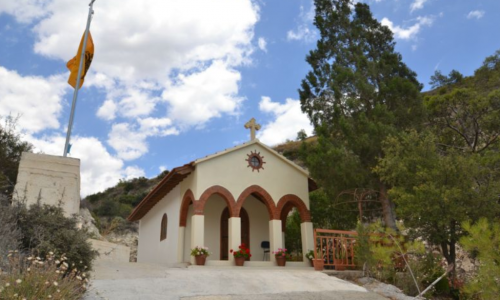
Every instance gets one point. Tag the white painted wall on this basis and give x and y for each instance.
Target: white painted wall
(231, 171)
(213, 211)
(150, 249)
(187, 236)
(259, 226)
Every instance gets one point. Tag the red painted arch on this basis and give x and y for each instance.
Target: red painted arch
(263, 195)
(187, 200)
(219, 190)
(288, 201)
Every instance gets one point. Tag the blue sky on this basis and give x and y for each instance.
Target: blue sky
(172, 81)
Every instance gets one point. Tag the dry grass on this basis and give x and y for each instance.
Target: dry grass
(35, 278)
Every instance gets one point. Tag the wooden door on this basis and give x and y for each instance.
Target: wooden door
(224, 231)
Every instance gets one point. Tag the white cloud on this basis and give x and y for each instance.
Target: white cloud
(144, 40)
(408, 32)
(24, 11)
(478, 14)
(305, 30)
(195, 99)
(129, 140)
(417, 4)
(107, 111)
(37, 100)
(144, 50)
(99, 169)
(162, 168)
(289, 120)
(262, 44)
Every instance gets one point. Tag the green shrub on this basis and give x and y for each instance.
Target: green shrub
(484, 239)
(35, 278)
(44, 229)
(108, 208)
(10, 235)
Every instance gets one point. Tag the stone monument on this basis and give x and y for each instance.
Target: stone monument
(49, 179)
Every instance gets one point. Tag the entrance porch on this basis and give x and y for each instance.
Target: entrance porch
(219, 222)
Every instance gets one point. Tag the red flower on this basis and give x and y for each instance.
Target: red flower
(250, 255)
(243, 245)
(231, 250)
(248, 251)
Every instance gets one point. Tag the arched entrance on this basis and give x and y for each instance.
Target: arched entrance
(224, 231)
(292, 210)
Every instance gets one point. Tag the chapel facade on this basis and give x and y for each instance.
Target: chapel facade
(240, 195)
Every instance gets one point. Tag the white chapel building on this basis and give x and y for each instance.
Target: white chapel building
(240, 195)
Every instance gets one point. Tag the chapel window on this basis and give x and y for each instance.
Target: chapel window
(163, 232)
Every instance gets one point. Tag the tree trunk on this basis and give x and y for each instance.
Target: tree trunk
(387, 208)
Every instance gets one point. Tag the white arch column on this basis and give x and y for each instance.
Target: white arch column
(275, 237)
(234, 241)
(197, 232)
(307, 235)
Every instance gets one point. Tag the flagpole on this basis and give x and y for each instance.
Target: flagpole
(77, 86)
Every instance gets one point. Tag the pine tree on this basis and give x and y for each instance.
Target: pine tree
(358, 92)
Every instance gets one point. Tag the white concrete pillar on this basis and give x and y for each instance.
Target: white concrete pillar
(180, 244)
(307, 235)
(234, 236)
(197, 232)
(275, 237)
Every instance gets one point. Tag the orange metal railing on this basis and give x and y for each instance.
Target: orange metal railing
(336, 247)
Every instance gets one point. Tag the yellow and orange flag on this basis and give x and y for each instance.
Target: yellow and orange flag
(75, 61)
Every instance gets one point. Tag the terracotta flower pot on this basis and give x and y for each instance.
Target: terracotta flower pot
(239, 261)
(200, 259)
(338, 264)
(319, 264)
(280, 260)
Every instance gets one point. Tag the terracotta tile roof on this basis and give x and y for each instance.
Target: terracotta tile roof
(163, 188)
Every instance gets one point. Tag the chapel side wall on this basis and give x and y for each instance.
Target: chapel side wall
(231, 171)
(150, 249)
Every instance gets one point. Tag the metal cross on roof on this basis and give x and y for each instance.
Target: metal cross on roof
(253, 126)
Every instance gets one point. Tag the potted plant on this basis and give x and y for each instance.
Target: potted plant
(280, 257)
(340, 256)
(241, 255)
(310, 256)
(318, 259)
(200, 255)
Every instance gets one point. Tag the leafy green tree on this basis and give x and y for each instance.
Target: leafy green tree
(11, 148)
(484, 239)
(358, 92)
(293, 241)
(439, 80)
(466, 116)
(437, 188)
(328, 214)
